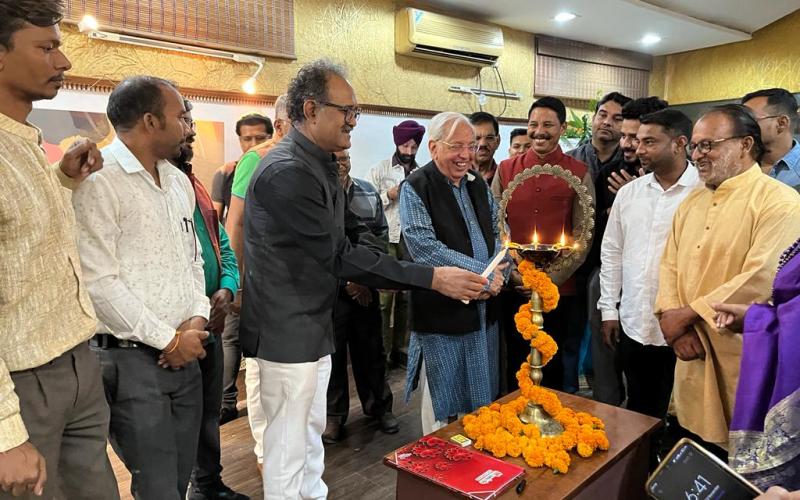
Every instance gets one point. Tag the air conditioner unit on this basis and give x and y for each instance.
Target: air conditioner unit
(434, 36)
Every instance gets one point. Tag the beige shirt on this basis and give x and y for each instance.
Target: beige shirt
(139, 252)
(44, 309)
(724, 247)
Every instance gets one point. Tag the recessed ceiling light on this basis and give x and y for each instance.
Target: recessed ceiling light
(563, 17)
(650, 39)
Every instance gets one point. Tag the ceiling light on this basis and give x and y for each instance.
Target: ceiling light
(563, 17)
(88, 23)
(650, 39)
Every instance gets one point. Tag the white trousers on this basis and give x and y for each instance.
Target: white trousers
(429, 422)
(293, 396)
(255, 413)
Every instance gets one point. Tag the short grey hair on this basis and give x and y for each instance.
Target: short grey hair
(280, 108)
(444, 124)
(310, 83)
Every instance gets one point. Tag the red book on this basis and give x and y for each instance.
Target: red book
(460, 470)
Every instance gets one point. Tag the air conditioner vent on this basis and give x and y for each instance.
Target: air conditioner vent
(434, 36)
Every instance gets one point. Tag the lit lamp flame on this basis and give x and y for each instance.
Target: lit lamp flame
(563, 240)
(535, 237)
(88, 23)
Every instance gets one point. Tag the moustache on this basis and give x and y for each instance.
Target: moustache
(58, 78)
(545, 137)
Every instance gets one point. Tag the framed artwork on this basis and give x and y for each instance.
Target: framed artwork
(73, 114)
(60, 128)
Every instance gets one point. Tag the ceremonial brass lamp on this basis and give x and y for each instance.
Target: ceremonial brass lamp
(547, 257)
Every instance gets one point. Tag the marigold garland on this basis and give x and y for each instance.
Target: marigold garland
(540, 282)
(497, 428)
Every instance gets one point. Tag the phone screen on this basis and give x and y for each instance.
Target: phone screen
(689, 474)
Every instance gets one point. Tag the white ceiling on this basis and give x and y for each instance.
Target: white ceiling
(682, 24)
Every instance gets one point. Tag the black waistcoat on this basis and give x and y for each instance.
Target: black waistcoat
(432, 312)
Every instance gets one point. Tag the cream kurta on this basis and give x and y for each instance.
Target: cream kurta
(723, 247)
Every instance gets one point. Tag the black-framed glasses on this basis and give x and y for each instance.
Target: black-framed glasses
(705, 147)
(351, 113)
(472, 147)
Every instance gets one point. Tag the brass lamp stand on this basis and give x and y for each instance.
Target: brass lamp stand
(547, 258)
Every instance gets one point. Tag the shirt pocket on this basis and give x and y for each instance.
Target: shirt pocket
(181, 212)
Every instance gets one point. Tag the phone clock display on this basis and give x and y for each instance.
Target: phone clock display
(689, 472)
(697, 491)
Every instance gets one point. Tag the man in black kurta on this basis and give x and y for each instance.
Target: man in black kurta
(296, 251)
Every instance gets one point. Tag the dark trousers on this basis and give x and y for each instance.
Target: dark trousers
(66, 416)
(207, 472)
(563, 324)
(649, 372)
(358, 329)
(606, 380)
(232, 353)
(155, 420)
(394, 308)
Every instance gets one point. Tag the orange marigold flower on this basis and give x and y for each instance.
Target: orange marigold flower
(534, 456)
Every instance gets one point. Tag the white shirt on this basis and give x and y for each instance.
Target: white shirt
(384, 176)
(638, 228)
(139, 252)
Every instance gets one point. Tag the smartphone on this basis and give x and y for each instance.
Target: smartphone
(689, 472)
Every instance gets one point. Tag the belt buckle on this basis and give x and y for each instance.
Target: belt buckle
(126, 344)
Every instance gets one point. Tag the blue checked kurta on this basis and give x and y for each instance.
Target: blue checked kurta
(462, 370)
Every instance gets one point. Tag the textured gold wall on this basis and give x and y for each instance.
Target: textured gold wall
(770, 59)
(359, 33)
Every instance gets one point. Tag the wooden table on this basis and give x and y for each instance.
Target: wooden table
(618, 473)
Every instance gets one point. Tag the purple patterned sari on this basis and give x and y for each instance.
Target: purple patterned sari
(765, 430)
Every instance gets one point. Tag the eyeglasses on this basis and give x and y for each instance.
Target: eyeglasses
(768, 117)
(469, 148)
(351, 113)
(705, 147)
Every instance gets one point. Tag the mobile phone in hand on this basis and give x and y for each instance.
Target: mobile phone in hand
(690, 472)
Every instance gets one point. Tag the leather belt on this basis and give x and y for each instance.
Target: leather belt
(108, 341)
